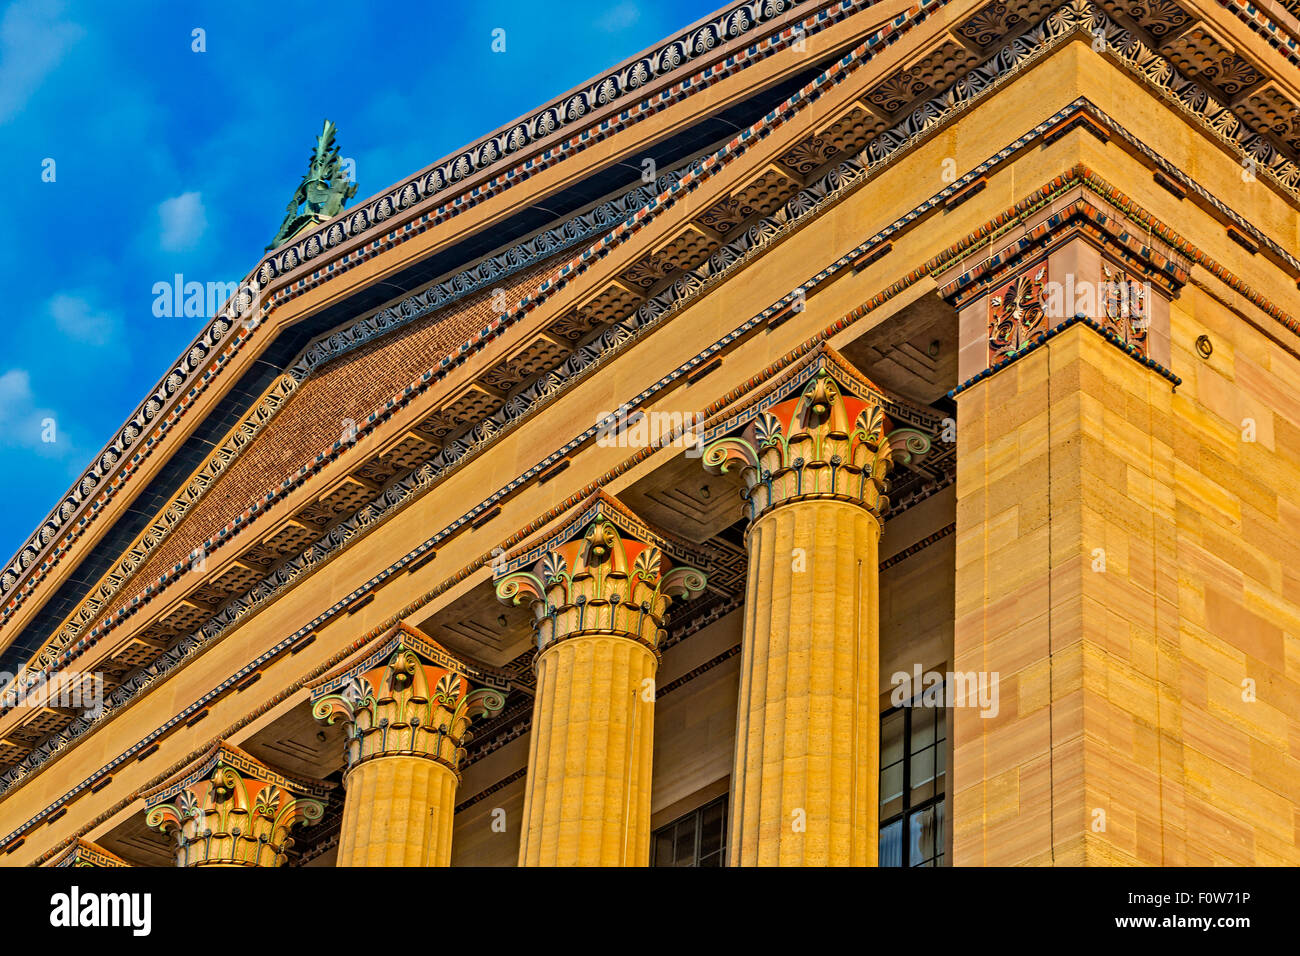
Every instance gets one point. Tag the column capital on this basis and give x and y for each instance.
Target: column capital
(231, 809)
(408, 696)
(604, 572)
(819, 432)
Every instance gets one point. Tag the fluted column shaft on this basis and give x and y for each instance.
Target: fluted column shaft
(805, 781)
(588, 796)
(398, 812)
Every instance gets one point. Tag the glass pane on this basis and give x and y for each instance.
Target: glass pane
(891, 790)
(891, 844)
(713, 814)
(920, 837)
(941, 725)
(922, 727)
(891, 738)
(940, 838)
(713, 859)
(711, 824)
(663, 852)
(684, 842)
(922, 776)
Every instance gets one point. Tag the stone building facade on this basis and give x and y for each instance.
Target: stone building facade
(855, 433)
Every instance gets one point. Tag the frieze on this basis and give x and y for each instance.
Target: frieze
(753, 241)
(371, 514)
(1077, 16)
(285, 576)
(83, 853)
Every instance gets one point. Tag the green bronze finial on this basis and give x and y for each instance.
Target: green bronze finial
(322, 193)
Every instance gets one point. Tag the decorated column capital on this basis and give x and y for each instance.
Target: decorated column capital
(233, 810)
(605, 572)
(407, 697)
(822, 434)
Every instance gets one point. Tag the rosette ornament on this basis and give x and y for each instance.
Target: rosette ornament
(823, 443)
(233, 810)
(601, 582)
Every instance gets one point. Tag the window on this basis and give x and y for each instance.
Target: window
(697, 839)
(913, 747)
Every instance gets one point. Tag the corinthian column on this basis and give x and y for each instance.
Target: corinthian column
(407, 706)
(233, 810)
(813, 454)
(599, 590)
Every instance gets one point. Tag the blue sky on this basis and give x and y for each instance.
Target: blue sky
(167, 160)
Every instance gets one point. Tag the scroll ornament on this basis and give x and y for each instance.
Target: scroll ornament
(236, 814)
(408, 707)
(822, 444)
(601, 582)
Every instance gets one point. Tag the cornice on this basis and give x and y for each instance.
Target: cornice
(943, 260)
(1165, 268)
(738, 250)
(267, 593)
(391, 505)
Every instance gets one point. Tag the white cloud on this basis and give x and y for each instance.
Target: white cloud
(79, 321)
(32, 42)
(619, 17)
(23, 423)
(183, 221)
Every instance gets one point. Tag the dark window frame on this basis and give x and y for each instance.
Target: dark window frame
(696, 819)
(936, 800)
